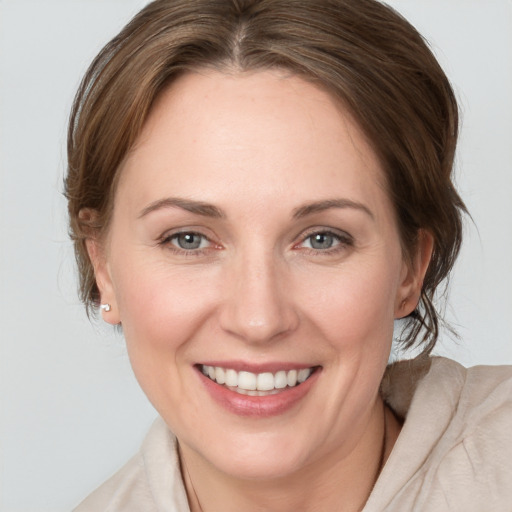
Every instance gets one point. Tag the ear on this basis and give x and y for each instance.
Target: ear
(413, 274)
(96, 248)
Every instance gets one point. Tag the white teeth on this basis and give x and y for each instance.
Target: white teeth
(247, 380)
(291, 378)
(231, 378)
(265, 382)
(220, 375)
(280, 380)
(253, 384)
(304, 374)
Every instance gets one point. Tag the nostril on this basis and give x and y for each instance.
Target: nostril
(256, 308)
(258, 327)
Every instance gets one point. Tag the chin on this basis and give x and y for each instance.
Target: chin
(261, 456)
(262, 466)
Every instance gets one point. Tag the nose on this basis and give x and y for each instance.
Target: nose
(257, 306)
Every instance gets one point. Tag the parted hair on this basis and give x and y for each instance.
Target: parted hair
(362, 51)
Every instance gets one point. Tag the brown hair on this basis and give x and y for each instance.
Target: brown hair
(362, 51)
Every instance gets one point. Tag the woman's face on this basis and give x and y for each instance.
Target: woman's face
(252, 239)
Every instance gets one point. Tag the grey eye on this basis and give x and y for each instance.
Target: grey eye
(189, 241)
(322, 241)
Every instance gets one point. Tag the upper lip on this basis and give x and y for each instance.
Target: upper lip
(271, 366)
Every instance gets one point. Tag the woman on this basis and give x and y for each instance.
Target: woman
(257, 191)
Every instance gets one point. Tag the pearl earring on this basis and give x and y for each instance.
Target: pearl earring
(106, 307)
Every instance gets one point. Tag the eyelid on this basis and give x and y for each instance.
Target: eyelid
(173, 233)
(175, 239)
(344, 239)
(195, 230)
(166, 241)
(342, 235)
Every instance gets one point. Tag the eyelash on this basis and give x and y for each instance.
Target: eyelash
(167, 242)
(342, 241)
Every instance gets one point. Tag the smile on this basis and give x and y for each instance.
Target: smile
(256, 384)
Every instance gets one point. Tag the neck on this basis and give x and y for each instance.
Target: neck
(333, 482)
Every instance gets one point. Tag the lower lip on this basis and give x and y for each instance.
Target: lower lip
(258, 406)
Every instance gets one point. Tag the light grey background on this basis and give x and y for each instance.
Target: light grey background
(71, 412)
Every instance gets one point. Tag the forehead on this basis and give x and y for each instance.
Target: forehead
(266, 132)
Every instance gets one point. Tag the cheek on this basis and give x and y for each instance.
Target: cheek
(353, 306)
(160, 311)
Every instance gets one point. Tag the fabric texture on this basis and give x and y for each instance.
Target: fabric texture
(454, 452)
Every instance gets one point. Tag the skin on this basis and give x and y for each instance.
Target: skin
(258, 147)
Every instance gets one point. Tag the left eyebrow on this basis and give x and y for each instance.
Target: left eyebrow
(319, 206)
(197, 207)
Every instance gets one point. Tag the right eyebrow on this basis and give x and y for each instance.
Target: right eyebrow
(196, 207)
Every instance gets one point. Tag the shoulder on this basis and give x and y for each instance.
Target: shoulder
(150, 481)
(409, 386)
(455, 448)
(476, 402)
(471, 465)
(127, 487)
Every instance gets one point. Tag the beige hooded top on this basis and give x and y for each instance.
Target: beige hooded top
(454, 452)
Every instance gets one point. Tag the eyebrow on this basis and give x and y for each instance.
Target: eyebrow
(196, 207)
(319, 206)
(209, 210)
